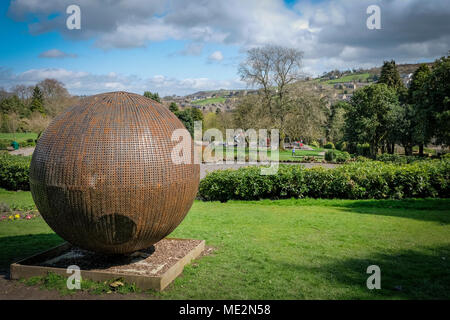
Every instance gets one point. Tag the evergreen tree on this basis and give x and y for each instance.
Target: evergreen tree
(153, 96)
(37, 101)
(390, 75)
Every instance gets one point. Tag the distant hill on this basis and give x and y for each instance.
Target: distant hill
(403, 69)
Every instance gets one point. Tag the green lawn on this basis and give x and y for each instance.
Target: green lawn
(351, 78)
(209, 101)
(296, 249)
(19, 137)
(20, 200)
(286, 155)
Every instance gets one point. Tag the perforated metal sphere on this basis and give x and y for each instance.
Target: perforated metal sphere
(103, 178)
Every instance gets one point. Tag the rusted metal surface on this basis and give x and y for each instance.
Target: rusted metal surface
(103, 178)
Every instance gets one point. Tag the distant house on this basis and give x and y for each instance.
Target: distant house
(350, 85)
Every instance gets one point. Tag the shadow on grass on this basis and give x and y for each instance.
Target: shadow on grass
(428, 209)
(15, 248)
(423, 273)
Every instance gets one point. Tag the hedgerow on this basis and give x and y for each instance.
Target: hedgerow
(14, 172)
(358, 180)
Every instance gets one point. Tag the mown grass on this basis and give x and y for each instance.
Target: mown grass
(286, 155)
(19, 137)
(296, 249)
(54, 281)
(17, 200)
(209, 101)
(350, 78)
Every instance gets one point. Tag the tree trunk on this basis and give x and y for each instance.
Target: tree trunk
(392, 148)
(421, 150)
(408, 150)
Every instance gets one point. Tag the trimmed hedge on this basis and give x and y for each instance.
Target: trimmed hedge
(396, 158)
(367, 180)
(14, 172)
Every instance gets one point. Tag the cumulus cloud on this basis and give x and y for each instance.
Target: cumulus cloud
(85, 83)
(216, 56)
(331, 33)
(55, 53)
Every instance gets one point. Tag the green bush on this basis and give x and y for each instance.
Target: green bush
(14, 171)
(330, 155)
(362, 159)
(4, 144)
(363, 149)
(343, 157)
(396, 158)
(314, 144)
(341, 146)
(368, 180)
(329, 145)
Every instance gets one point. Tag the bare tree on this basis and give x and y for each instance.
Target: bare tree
(56, 96)
(273, 69)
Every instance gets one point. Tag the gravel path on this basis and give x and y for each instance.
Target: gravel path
(23, 151)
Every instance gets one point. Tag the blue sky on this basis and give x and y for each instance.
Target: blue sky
(179, 47)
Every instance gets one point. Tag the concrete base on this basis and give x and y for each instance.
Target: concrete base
(38, 265)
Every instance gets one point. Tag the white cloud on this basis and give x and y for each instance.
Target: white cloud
(85, 83)
(216, 56)
(55, 53)
(327, 31)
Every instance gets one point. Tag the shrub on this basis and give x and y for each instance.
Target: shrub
(362, 159)
(330, 155)
(363, 149)
(368, 180)
(315, 144)
(329, 145)
(341, 146)
(14, 171)
(343, 157)
(396, 158)
(4, 144)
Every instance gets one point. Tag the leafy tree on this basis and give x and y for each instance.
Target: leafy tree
(185, 117)
(334, 128)
(173, 107)
(188, 116)
(416, 122)
(197, 115)
(370, 115)
(153, 96)
(436, 91)
(14, 104)
(37, 101)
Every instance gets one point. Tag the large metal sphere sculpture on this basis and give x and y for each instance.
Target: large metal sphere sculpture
(103, 178)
